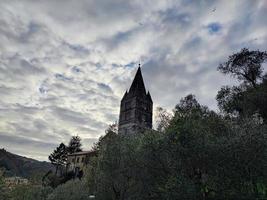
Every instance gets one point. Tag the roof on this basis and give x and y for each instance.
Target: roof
(149, 97)
(83, 153)
(138, 85)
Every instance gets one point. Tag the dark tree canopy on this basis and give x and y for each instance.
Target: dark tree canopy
(75, 144)
(229, 99)
(246, 65)
(112, 128)
(188, 106)
(59, 156)
(163, 118)
(250, 97)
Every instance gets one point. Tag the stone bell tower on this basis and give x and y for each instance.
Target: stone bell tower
(136, 108)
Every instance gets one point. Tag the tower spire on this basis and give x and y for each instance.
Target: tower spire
(136, 111)
(138, 85)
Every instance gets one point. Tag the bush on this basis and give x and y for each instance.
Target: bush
(30, 192)
(71, 190)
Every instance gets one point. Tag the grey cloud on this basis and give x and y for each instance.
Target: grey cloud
(17, 140)
(68, 115)
(18, 67)
(105, 88)
(32, 28)
(175, 16)
(78, 48)
(119, 38)
(40, 125)
(88, 142)
(4, 90)
(75, 117)
(26, 147)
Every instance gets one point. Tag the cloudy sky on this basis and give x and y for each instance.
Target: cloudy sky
(65, 64)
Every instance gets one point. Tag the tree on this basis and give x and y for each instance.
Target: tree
(30, 192)
(245, 65)
(230, 99)
(110, 132)
(4, 194)
(59, 156)
(248, 98)
(71, 190)
(112, 128)
(74, 145)
(163, 118)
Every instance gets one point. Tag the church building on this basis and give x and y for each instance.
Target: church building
(136, 108)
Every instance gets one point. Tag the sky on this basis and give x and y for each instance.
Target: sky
(65, 64)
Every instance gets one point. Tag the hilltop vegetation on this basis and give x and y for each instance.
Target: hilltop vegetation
(195, 154)
(16, 165)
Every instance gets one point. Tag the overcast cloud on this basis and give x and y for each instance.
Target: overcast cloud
(64, 65)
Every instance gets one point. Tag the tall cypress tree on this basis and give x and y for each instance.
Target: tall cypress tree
(59, 156)
(74, 145)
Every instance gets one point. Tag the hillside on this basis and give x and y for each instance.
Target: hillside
(16, 165)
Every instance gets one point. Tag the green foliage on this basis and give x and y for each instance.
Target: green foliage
(30, 192)
(16, 165)
(71, 190)
(74, 144)
(59, 156)
(245, 65)
(250, 97)
(4, 192)
(163, 118)
(36, 178)
(242, 101)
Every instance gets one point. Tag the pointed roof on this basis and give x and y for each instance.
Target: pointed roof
(138, 85)
(149, 96)
(125, 94)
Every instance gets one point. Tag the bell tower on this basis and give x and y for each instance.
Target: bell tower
(136, 108)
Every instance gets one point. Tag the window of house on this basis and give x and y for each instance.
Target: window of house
(82, 160)
(78, 160)
(73, 160)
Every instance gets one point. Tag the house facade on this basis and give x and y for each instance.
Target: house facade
(79, 161)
